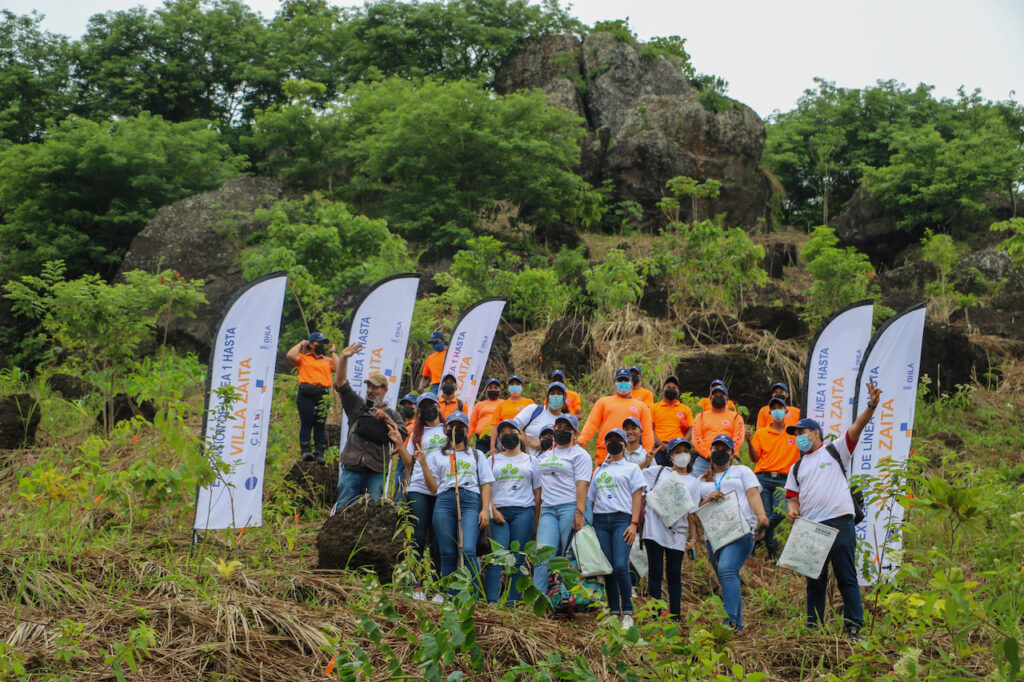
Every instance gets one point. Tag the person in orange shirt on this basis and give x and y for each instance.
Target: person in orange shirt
(705, 403)
(610, 411)
(430, 375)
(638, 391)
(572, 398)
(718, 421)
(774, 451)
(510, 407)
(779, 390)
(448, 402)
(670, 418)
(483, 410)
(315, 380)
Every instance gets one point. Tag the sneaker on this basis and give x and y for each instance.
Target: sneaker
(307, 455)
(853, 632)
(627, 622)
(320, 457)
(437, 599)
(419, 595)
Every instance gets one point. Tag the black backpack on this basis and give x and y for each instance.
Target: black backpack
(858, 497)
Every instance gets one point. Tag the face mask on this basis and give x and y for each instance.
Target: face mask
(428, 412)
(803, 442)
(448, 388)
(671, 393)
(778, 415)
(545, 444)
(319, 348)
(615, 447)
(515, 390)
(721, 458)
(623, 387)
(509, 441)
(563, 438)
(439, 346)
(493, 395)
(408, 412)
(681, 460)
(635, 380)
(718, 402)
(555, 402)
(458, 436)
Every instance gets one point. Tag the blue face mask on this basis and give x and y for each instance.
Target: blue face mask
(778, 415)
(514, 390)
(555, 402)
(623, 386)
(803, 442)
(439, 345)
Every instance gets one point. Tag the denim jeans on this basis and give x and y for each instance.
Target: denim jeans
(553, 530)
(727, 563)
(421, 505)
(843, 563)
(673, 558)
(610, 528)
(773, 497)
(700, 465)
(518, 526)
(446, 528)
(353, 484)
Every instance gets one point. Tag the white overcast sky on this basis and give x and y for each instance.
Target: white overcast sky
(770, 51)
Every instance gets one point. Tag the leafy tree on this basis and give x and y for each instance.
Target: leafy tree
(672, 48)
(87, 189)
(615, 283)
(34, 77)
(942, 251)
(1014, 244)
(841, 276)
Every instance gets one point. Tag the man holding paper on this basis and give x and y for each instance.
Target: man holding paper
(818, 490)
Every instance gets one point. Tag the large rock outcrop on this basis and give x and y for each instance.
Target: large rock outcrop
(646, 124)
(200, 237)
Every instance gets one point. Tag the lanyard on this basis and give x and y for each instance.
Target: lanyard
(718, 481)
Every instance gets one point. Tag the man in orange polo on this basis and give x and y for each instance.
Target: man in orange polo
(448, 402)
(572, 398)
(779, 390)
(510, 407)
(705, 403)
(433, 366)
(670, 418)
(774, 451)
(638, 391)
(610, 411)
(718, 421)
(483, 410)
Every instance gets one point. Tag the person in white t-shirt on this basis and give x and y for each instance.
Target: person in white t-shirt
(723, 477)
(532, 419)
(667, 545)
(616, 493)
(817, 489)
(635, 451)
(515, 506)
(463, 488)
(427, 439)
(565, 473)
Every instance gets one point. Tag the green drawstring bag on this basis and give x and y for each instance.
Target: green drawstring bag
(587, 550)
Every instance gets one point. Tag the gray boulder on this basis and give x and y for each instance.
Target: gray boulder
(865, 223)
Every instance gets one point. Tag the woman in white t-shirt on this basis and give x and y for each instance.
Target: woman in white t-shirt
(616, 493)
(463, 481)
(724, 477)
(667, 545)
(515, 505)
(427, 440)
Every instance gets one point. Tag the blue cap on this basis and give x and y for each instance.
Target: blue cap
(516, 377)
(408, 398)
(676, 442)
(805, 423)
(636, 368)
(725, 440)
(671, 378)
(506, 422)
(557, 373)
(616, 432)
(557, 384)
(571, 420)
(426, 396)
(316, 336)
(436, 336)
(493, 380)
(634, 421)
(717, 382)
(777, 399)
(622, 373)
(457, 416)
(720, 387)
(779, 384)
(549, 427)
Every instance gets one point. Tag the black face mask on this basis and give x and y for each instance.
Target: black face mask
(545, 444)
(721, 458)
(509, 441)
(448, 388)
(408, 412)
(493, 395)
(429, 412)
(671, 393)
(458, 436)
(615, 447)
(718, 401)
(563, 438)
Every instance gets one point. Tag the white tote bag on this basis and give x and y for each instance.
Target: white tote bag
(589, 557)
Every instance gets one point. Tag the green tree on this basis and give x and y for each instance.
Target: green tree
(941, 251)
(616, 283)
(35, 72)
(87, 189)
(841, 276)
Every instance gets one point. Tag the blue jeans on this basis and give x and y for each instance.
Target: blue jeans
(843, 564)
(353, 484)
(518, 526)
(700, 465)
(422, 507)
(727, 563)
(610, 528)
(773, 497)
(553, 530)
(446, 528)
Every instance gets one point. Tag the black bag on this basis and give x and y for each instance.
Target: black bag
(313, 390)
(859, 513)
(372, 429)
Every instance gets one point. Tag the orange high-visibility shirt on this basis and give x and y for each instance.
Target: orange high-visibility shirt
(705, 405)
(764, 416)
(671, 420)
(480, 417)
(314, 370)
(446, 406)
(433, 366)
(609, 412)
(508, 409)
(709, 424)
(644, 394)
(776, 451)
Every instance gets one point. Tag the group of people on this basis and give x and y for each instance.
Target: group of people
(519, 470)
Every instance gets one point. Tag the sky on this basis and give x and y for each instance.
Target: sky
(770, 52)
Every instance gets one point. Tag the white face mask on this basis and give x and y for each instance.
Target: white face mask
(681, 460)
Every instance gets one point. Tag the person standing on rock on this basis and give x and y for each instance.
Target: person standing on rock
(610, 411)
(717, 421)
(369, 443)
(315, 370)
(480, 418)
(433, 365)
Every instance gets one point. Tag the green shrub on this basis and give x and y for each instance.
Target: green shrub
(615, 283)
(841, 276)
